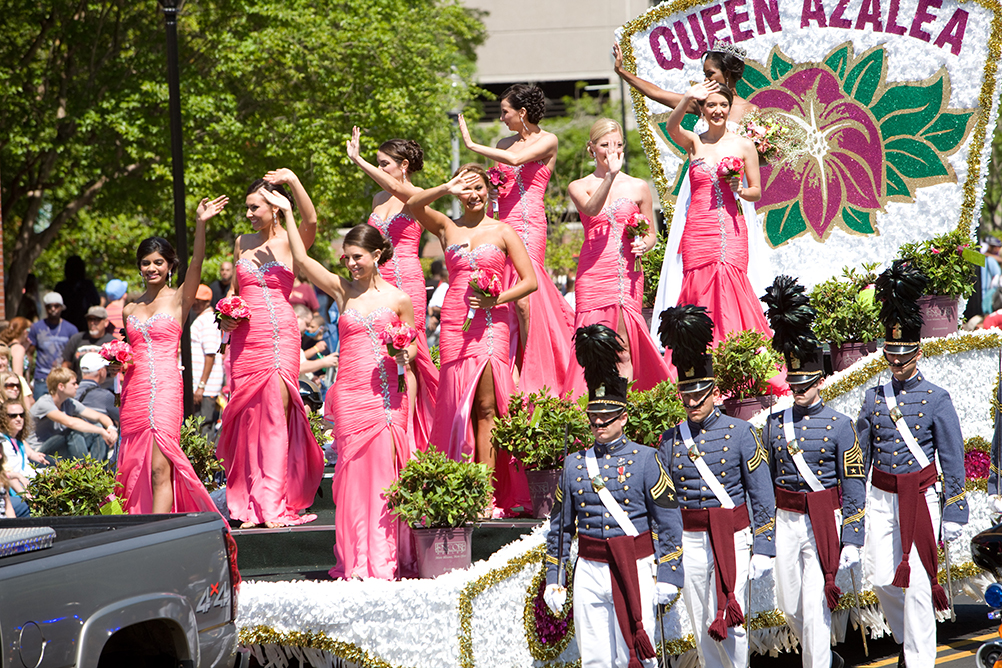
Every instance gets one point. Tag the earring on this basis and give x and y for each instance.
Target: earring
(522, 120)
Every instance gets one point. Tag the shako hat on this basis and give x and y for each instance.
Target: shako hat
(597, 349)
(688, 331)
(790, 316)
(899, 288)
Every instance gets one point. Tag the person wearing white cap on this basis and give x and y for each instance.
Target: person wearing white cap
(92, 392)
(49, 337)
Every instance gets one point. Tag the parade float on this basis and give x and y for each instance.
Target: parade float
(899, 101)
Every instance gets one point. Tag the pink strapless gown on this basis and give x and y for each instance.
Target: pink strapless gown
(464, 356)
(548, 348)
(151, 417)
(273, 463)
(715, 256)
(404, 271)
(608, 290)
(370, 423)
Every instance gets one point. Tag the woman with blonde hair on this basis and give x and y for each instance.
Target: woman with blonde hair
(15, 337)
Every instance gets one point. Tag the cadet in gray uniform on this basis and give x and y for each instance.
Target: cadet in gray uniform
(715, 461)
(904, 426)
(814, 454)
(620, 501)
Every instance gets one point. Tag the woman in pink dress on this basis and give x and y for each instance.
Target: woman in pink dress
(715, 245)
(476, 381)
(527, 158)
(155, 474)
(609, 287)
(397, 159)
(273, 463)
(369, 413)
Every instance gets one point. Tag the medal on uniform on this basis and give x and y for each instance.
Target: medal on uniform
(597, 483)
(622, 474)
(794, 449)
(693, 452)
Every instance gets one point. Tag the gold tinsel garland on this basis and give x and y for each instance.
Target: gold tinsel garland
(986, 98)
(264, 635)
(538, 650)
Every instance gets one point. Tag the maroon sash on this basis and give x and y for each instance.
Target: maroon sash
(721, 524)
(914, 526)
(820, 507)
(622, 553)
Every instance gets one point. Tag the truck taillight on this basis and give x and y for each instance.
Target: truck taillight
(231, 557)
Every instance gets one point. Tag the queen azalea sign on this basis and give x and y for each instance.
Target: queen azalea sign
(896, 101)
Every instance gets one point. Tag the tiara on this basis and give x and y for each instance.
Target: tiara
(720, 46)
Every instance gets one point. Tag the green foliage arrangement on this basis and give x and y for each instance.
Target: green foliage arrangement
(743, 363)
(947, 260)
(71, 487)
(533, 430)
(846, 309)
(436, 356)
(434, 491)
(200, 452)
(651, 261)
(652, 412)
(319, 427)
(563, 247)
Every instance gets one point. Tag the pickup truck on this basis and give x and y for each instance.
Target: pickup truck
(121, 590)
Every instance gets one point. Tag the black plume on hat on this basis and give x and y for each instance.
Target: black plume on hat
(790, 315)
(597, 349)
(687, 330)
(899, 288)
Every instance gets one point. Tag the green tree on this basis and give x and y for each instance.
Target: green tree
(84, 137)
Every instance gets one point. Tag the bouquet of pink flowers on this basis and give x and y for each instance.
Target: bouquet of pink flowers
(495, 179)
(396, 337)
(775, 138)
(637, 225)
(485, 285)
(231, 308)
(117, 352)
(730, 166)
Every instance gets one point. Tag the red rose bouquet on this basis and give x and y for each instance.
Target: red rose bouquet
(496, 178)
(485, 285)
(396, 337)
(231, 308)
(637, 225)
(117, 352)
(730, 166)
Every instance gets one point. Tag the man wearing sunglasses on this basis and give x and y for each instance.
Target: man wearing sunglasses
(814, 455)
(905, 426)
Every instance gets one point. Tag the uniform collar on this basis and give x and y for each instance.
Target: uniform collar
(610, 448)
(708, 422)
(812, 410)
(907, 385)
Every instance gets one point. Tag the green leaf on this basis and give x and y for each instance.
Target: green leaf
(838, 60)
(896, 185)
(779, 66)
(974, 257)
(785, 223)
(947, 131)
(915, 159)
(864, 78)
(858, 221)
(907, 109)
(752, 80)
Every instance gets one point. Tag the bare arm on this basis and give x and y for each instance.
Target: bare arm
(523, 265)
(307, 212)
(86, 426)
(542, 149)
(330, 283)
(596, 201)
(312, 366)
(402, 190)
(17, 359)
(753, 191)
(435, 221)
(685, 138)
(648, 89)
(405, 311)
(185, 297)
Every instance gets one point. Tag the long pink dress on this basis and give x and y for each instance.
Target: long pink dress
(273, 464)
(715, 256)
(370, 423)
(548, 348)
(608, 290)
(151, 417)
(404, 271)
(464, 356)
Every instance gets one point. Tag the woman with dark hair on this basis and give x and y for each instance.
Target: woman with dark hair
(526, 159)
(396, 160)
(15, 427)
(368, 412)
(273, 463)
(155, 474)
(724, 66)
(476, 382)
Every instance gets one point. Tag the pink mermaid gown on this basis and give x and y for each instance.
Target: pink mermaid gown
(151, 417)
(608, 290)
(370, 423)
(548, 348)
(464, 356)
(273, 463)
(715, 256)
(404, 271)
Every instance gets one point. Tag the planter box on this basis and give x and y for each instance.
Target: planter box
(845, 355)
(744, 409)
(543, 490)
(940, 315)
(442, 550)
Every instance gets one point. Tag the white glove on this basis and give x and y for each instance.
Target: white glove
(759, 566)
(665, 593)
(951, 531)
(555, 596)
(850, 557)
(997, 504)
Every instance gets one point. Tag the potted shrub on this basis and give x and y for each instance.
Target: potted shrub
(73, 487)
(438, 497)
(743, 363)
(847, 315)
(201, 453)
(948, 261)
(652, 412)
(533, 432)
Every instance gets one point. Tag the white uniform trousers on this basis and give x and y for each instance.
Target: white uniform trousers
(800, 587)
(600, 642)
(909, 611)
(700, 593)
